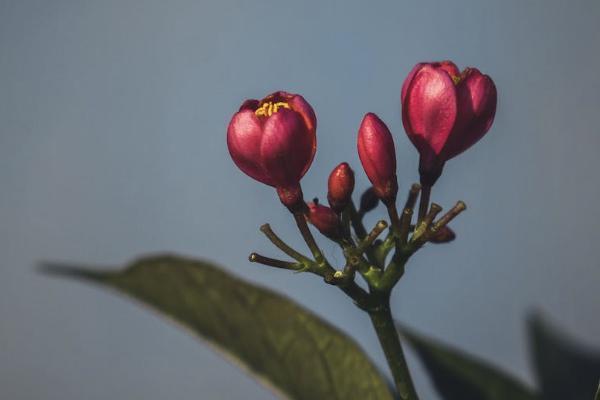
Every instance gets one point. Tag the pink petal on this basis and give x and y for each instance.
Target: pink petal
(447, 66)
(301, 106)
(429, 110)
(287, 147)
(477, 99)
(250, 104)
(244, 136)
(409, 79)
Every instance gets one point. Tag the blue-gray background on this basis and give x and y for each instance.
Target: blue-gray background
(112, 144)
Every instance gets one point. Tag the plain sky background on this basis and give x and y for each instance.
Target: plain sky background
(112, 144)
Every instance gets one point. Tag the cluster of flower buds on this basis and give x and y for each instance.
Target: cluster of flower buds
(273, 140)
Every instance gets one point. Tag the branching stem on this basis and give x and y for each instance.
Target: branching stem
(367, 255)
(272, 262)
(390, 342)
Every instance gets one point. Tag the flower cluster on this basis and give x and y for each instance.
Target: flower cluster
(444, 112)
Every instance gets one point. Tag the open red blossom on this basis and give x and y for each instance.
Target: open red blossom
(445, 111)
(378, 157)
(340, 186)
(274, 141)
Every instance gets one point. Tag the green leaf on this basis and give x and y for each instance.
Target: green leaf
(458, 376)
(597, 397)
(564, 370)
(288, 348)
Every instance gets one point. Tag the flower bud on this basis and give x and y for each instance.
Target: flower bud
(445, 112)
(274, 141)
(378, 157)
(444, 235)
(368, 200)
(325, 220)
(340, 186)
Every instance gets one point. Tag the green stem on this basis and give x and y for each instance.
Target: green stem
(361, 232)
(283, 246)
(273, 262)
(309, 239)
(382, 320)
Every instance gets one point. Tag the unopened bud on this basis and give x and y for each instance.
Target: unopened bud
(325, 220)
(444, 235)
(368, 200)
(340, 186)
(378, 157)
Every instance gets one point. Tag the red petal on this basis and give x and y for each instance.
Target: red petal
(447, 66)
(287, 147)
(477, 99)
(301, 106)
(244, 136)
(429, 110)
(409, 79)
(250, 104)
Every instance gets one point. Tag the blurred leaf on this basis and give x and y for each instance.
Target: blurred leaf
(597, 393)
(288, 348)
(564, 370)
(458, 376)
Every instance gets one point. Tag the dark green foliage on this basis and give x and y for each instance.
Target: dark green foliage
(303, 357)
(458, 376)
(286, 346)
(564, 370)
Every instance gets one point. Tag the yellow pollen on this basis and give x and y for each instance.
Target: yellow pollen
(460, 77)
(268, 108)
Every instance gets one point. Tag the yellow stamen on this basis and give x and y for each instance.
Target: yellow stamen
(459, 78)
(268, 108)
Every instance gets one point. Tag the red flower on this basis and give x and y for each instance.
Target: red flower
(325, 220)
(445, 112)
(340, 186)
(378, 157)
(274, 141)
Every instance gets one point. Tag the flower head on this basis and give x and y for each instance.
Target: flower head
(445, 111)
(274, 141)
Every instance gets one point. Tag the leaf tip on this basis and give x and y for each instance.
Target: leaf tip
(58, 269)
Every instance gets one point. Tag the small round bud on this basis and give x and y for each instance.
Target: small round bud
(444, 235)
(340, 186)
(368, 200)
(325, 220)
